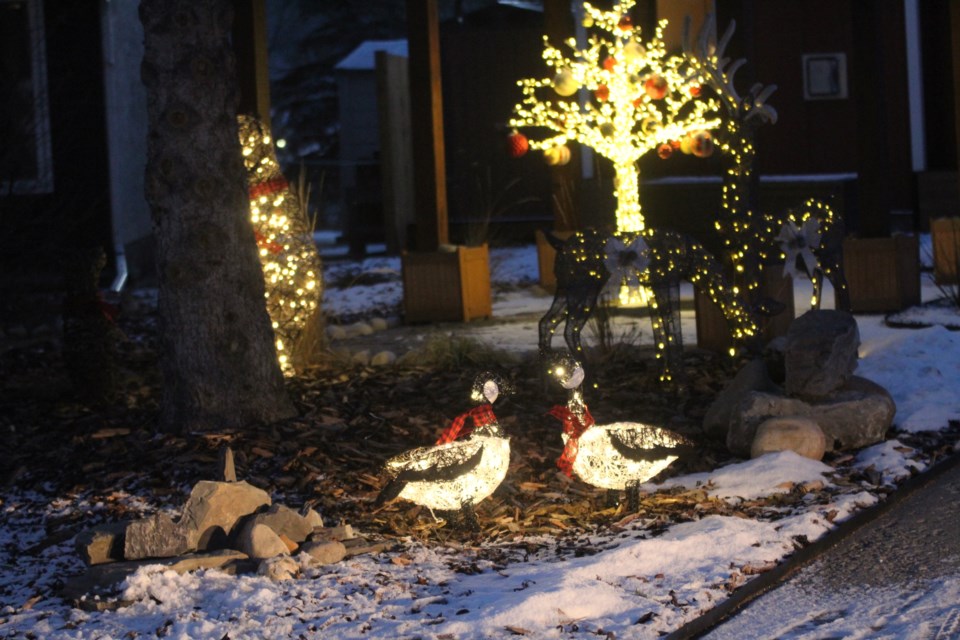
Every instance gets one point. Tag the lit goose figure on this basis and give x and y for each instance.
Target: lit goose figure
(616, 456)
(455, 474)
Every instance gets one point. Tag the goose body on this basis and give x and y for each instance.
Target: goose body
(450, 476)
(617, 455)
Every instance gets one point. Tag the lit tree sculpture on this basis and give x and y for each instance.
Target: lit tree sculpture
(638, 98)
(288, 255)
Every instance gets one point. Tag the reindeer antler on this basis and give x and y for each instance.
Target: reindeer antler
(718, 72)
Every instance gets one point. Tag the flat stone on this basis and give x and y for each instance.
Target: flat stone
(821, 353)
(379, 324)
(751, 377)
(341, 532)
(336, 332)
(102, 544)
(327, 552)
(105, 577)
(215, 508)
(789, 433)
(261, 542)
(228, 471)
(283, 521)
(154, 537)
(279, 568)
(361, 357)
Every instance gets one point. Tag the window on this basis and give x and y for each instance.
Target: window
(824, 76)
(26, 164)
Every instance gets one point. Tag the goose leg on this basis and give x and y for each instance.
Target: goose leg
(633, 496)
(612, 498)
(468, 518)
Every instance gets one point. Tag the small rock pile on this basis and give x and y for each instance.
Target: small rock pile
(227, 525)
(820, 406)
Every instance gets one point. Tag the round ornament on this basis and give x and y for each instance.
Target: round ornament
(701, 144)
(602, 93)
(517, 144)
(655, 86)
(557, 156)
(564, 83)
(606, 129)
(625, 24)
(665, 151)
(609, 63)
(696, 90)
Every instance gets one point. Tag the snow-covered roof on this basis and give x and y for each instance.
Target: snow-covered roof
(363, 58)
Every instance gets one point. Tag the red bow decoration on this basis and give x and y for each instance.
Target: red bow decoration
(574, 427)
(268, 187)
(481, 415)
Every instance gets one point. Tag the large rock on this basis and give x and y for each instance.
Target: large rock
(821, 353)
(279, 568)
(856, 415)
(752, 377)
(214, 509)
(261, 542)
(790, 433)
(101, 544)
(284, 521)
(154, 537)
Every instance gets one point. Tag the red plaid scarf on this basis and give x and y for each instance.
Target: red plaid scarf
(481, 415)
(574, 427)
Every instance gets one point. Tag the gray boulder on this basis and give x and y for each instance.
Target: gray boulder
(752, 377)
(279, 568)
(284, 521)
(261, 542)
(856, 415)
(789, 433)
(153, 537)
(214, 509)
(821, 353)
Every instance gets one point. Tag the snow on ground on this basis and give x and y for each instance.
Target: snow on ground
(643, 581)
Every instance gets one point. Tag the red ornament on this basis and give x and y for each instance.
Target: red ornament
(695, 90)
(625, 23)
(656, 87)
(602, 93)
(665, 151)
(675, 144)
(637, 102)
(609, 63)
(517, 144)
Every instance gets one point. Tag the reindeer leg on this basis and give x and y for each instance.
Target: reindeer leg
(551, 319)
(816, 279)
(667, 337)
(834, 273)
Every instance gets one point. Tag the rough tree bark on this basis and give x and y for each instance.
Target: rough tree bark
(218, 360)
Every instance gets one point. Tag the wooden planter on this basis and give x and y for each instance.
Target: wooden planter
(945, 234)
(545, 258)
(883, 274)
(713, 331)
(447, 286)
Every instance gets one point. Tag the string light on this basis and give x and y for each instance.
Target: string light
(639, 99)
(288, 255)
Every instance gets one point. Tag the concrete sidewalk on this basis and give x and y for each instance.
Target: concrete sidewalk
(884, 572)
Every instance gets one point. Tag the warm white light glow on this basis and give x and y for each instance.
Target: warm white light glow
(599, 464)
(636, 97)
(288, 255)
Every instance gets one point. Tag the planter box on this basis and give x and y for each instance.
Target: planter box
(545, 258)
(713, 332)
(945, 234)
(451, 286)
(883, 274)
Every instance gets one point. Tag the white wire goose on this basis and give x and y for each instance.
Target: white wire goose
(455, 474)
(618, 456)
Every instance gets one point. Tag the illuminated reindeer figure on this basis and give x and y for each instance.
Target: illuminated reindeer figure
(813, 233)
(654, 258)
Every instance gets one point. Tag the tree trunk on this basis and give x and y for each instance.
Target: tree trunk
(218, 360)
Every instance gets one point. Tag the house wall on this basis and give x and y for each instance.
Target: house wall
(38, 231)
